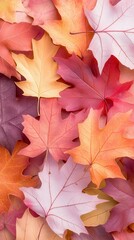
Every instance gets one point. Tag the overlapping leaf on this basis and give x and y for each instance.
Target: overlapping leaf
(57, 66)
(30, 227)
(8, 219)
(40, 72)
(9, 35)
(11, 175)
(123, 192)
(113, 31)
(101, 152)
(52, 201)
(41, 11)
(72, 21)
(51, 132)
(88, 90)
(102, 212)
(12, 107)
(9, 8)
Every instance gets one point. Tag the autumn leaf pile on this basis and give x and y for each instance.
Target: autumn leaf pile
(67, 119)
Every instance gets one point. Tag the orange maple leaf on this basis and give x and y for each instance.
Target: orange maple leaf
(72, 21)
(11, 175)
(100, 147)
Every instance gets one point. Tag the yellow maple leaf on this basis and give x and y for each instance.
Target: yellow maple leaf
(41, 72)
(100, 215)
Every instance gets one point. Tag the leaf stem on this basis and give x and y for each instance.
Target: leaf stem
(38, 106)
(91, 31)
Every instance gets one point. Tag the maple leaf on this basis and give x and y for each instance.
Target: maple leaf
(29, 227)
(12, 107)
(72, 20)
(88, 90)
(63, 200)
(41, 11)
(100, 148)
(51, 132)
(40, 72)
(112, 26)
(100, 215)
(9, 35)
(9, 10)
(11, 177)
(96, 233)
(123, 192)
